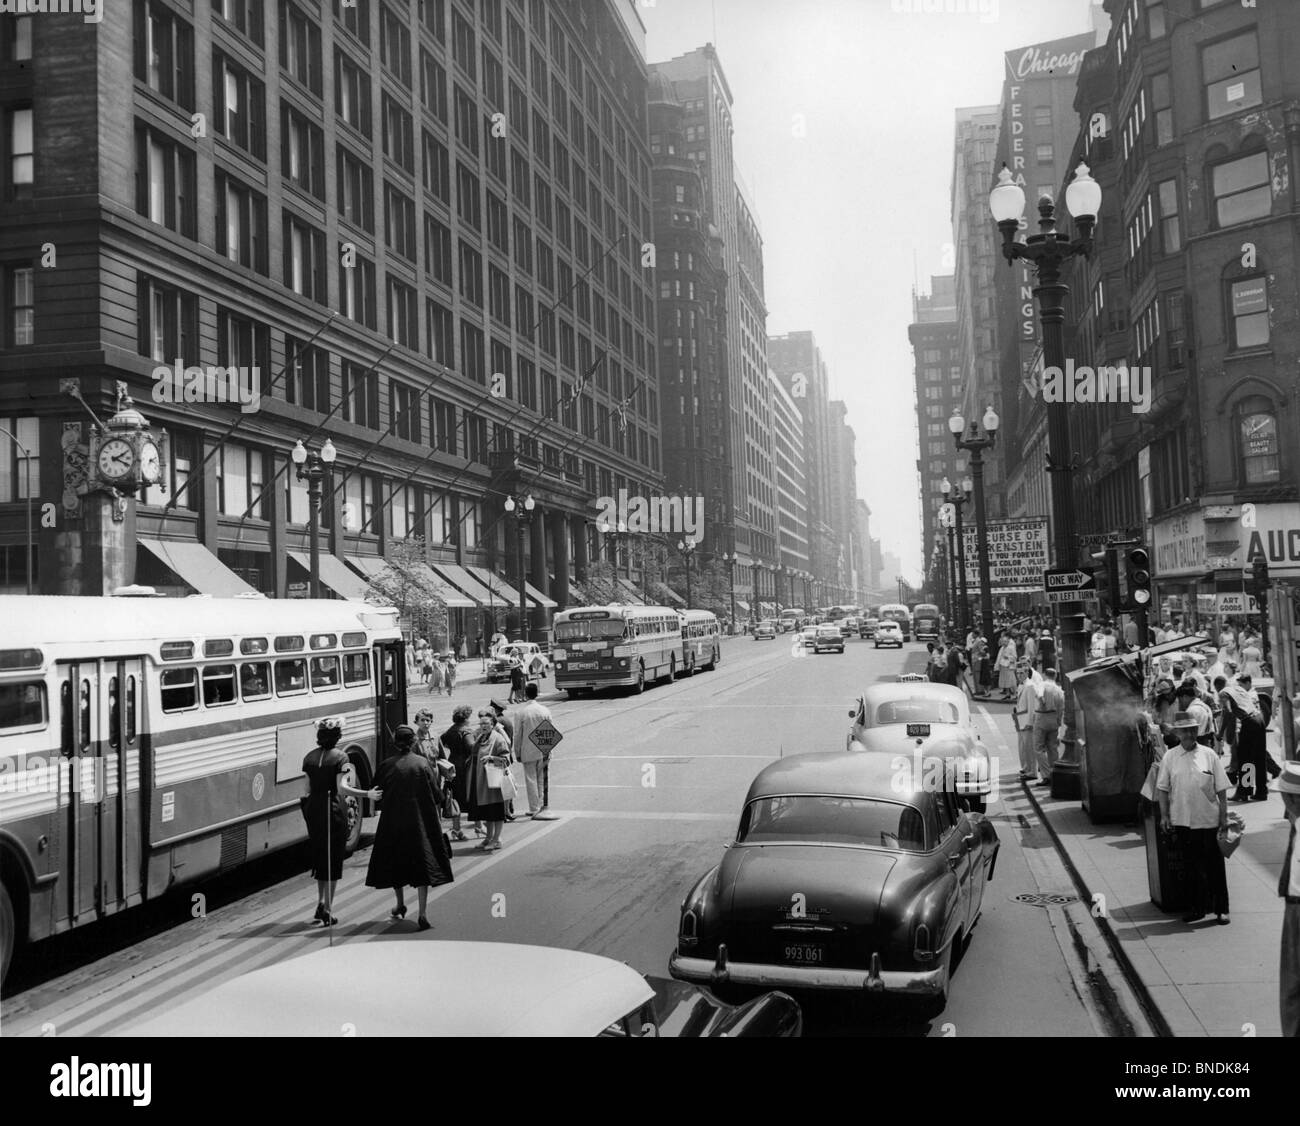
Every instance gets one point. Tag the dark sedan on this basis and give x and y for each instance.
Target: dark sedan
(846, 874)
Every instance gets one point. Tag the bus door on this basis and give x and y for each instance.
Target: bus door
(390, 695)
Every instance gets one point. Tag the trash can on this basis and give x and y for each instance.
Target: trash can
(1166, 868)
(1108, 702)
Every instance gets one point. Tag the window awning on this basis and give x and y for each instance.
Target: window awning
(196, 566)
(631, 591)
(459, 578)
(505, 587)
(454, 599)
(742, 606)
(672, 598)
(334, 575)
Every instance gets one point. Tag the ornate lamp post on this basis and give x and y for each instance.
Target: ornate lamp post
(312, 467)
(973, 441)
(523, 514)
(687, 548)
(729, 558)
(957, 498)
(948, 522)
(1048, 251)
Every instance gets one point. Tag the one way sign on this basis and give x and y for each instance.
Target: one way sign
(1067, 584)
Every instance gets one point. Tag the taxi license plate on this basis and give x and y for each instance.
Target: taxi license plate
(805, 953)
(918, 730)
(582, 664)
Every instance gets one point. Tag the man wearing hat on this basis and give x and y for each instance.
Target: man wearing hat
(1193, 791)
(1288, 887)
(1189, 703)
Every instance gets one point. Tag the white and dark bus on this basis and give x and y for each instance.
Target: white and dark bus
(701, 641)
(615, 646)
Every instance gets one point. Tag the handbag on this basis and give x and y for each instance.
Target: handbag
(1230, 837)
(495, 775)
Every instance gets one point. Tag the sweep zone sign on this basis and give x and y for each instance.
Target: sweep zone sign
(1018, 556)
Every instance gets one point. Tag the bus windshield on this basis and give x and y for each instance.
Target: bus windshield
(925, 610)
(591, 629)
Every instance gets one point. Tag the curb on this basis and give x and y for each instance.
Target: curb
(1150, 1010)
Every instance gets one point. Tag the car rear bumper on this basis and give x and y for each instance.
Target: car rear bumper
(915, 983)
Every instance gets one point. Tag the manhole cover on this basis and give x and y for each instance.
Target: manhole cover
(1044, 899)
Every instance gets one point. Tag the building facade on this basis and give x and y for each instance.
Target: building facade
(791, 483)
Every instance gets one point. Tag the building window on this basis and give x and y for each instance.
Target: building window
(468, 198)
(185, 455)
(498, 223)
(15, 465)
(394, 45)
(473, 363)
(360, 395)
(241, 481)
(437, 250)
(399, 135)
(240, 103)
(1170, 224)
(499, 295)
(164, 181)
(466, 120)
(403, 314)
(464, 46)
(433, 86)
(433, 14)
(302, 152)
(241, 223)
(357, 290)
(242, 342)
(355, 16)
(441, 341)
(20, 307)
(1042, 117)
(351, 93)
(16, 39)
(307, 375)
(1241, 189)
(166, 322)
(1156, 18)
(1162, 108)
(1044, 154)
(442, 426)
(1248, 308)
(494, 81)
(399, 222)
(356, 190)
(300, 46)
(471, 274)
(164, 51)
(1175, 334)
(1257, 427)
(304, 258)
(245, 15)
(437, 168)
(361, 492)
(1230, 72)
(403, 411)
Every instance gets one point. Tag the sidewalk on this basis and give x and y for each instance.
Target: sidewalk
(1202, 979)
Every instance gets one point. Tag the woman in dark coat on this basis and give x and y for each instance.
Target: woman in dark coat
(327, 819)
(488, 804)
(409, 847)
(459, 740)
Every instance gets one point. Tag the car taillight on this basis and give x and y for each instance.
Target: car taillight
(922, 950)
(687, 935)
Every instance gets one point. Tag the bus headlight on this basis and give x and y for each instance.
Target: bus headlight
(622, 663)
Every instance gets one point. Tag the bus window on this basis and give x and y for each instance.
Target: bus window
(324, 641)
(218, 647)
(288, 644)
(114, 731)
(253, 646)
(290, 677)
(390, 675)
(324, 673)
(22, 705)
(354, 640)
(180, 689)
(130, 710)
(255, 680)
(218, 685)
(356, 668)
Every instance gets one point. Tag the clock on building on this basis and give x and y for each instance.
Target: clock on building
(116, 459)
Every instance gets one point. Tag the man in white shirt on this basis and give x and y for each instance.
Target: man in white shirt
(1288, 886)
(1193, 791)
(1047, 725)
(527, 719)
(1190, 703)
(1022, 716)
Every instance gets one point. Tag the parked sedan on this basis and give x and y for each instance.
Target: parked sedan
(808, 636)
(929, 724)
(461, 989)
(827, 637)
(765, 631)
(888, 633)
(536, 663)
(842, 877)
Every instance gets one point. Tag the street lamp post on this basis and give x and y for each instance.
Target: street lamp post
(947, 521)
(312, 467)
(523, 513)
(958, 499)
(975, 443)
(1048, 251)
(729, 558)
(687, 548)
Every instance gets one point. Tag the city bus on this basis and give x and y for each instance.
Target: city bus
(792, 619)
(611, 646)
(897, 612)
(926, 621)
(147, 743)
(701, 641)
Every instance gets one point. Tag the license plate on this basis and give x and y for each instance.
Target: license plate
(918, 730)
(582, 664)
(805, 953)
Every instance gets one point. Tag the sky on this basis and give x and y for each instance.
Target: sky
(843, 115)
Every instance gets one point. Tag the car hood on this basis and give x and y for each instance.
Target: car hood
(760, 883)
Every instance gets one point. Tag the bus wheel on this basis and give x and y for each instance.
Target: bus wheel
(690, 666)
(713, 664)
(672, 669)
(639, 687)
(352, 805)
(8, 931)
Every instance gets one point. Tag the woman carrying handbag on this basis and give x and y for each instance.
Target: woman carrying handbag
(490, 778)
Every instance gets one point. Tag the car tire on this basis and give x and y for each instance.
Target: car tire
(8, 932)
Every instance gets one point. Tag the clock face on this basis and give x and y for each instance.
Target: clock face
(150, 469)
(116, 459)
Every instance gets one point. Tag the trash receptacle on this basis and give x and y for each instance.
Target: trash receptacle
(1166, 868)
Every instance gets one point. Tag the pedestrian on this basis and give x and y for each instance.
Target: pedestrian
(427, 743)
(1022, 717)
(449, 672)
(1288, 887)
(1031, 648)
(536, 761)
(507, 727)
(478, 644)
(1130, 634)
(1251, 759)
(409, 848)
(426, 667)
(1252, 656)
(327, 819)
(1190, 703)
(1006, 665)
(458, 741)
(1193, 792)
(491, 764)
(462, 648)
(518, 678)
(979, 665)
(957, 668)
(435, 673)
(1047, 725)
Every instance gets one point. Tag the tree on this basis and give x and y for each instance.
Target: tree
(601, 587)
(407, 584)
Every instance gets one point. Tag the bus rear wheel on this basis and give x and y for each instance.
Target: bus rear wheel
(8, 932)
(353, 807)
(713, 664)
(672, 669)
(690, 666)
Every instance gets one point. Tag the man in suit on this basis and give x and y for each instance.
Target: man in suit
(527, 718)
(1288, 887)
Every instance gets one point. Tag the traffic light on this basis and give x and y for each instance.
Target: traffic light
(1104, 577)
(1136, 580)
(1261, 581)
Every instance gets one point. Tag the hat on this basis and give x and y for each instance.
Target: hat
(405, 733)
(1184, 721)
(500, 707)
(1288, 782)
(330, 723)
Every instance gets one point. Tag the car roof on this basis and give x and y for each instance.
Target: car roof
(407, 986)
(913, 690)
(851, 773)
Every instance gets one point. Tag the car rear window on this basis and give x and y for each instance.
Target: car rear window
(827, 819)
(916, 711)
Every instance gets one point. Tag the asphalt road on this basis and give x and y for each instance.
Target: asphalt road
(648, 790)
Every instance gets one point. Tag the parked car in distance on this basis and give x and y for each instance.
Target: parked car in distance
(867, 627)
(849, 626)
(412, 989)
(827, 637)
(926, 723)
(536, 664)
(888, 633)
(841, 877)
(765, 631)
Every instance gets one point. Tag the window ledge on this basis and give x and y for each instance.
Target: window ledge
(1247, 354)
